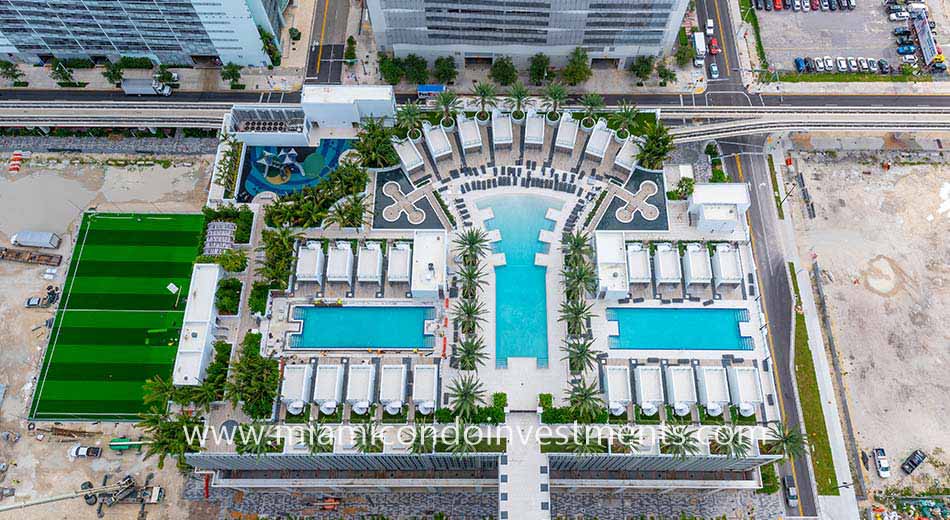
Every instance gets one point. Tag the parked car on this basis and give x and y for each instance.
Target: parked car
(832, 5)
(851, 5)
(791, 492)
(901, 31)
(829, 63)
(815, 5)
(905, 40)
(819, 64)
(863, 65)
(894, 8)
(901, 16)
(907, 50)
(777, 4)
(824, 5)
(787, 5)
(872, 64)
(90, 452)
(880, 462)
(909, 59)
(810, 65)
(797, 5)
(940, 66)
(915, 459)
(884, 66)
(758, 5)
(33, 302)
(852, 64)
(842, 64)
(709, 27)
(713, 71)
(800, 65)
(806, 5)
(768, 5)
(714, 46)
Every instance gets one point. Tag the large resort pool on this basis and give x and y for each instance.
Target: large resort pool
(678, 329)
(354, 327)
(521, 328)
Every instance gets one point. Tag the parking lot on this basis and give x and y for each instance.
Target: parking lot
(864, 32)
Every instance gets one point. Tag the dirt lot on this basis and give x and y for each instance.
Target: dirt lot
(51, 197)
(882, 240)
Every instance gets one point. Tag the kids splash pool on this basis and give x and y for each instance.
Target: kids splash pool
(287, 169)
(678, 329)
(354, 327)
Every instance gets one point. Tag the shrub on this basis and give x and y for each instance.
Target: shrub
(269, 47)
(545, 401)
(257, 301)
(577, 69)
(78, 63)
(350, 53)
(684, 54)
(390, 69)
(642, 67)
(295, 34)
(228, 296)
(217, 373)
(415, 69)
(538, 68)
(129, 62)
(770, 484)
(255, 379)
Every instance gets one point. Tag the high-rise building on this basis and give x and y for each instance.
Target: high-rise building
(611, 31)
(169, 31)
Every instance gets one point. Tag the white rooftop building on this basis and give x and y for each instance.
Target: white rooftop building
(745, 388)
(680, 389)
(566, 133)
(295, 389)
(534, 129)
(340, 262)
(666, 264)
(698, 269)
(359, 388)
(469, 133)
(638, 264)
(370, 263)
(437, 140)
(409, 156)
(310, 262)
(649, 389)
(425, 380)
(501, 129)
(726, 265)
(713, 389)
(626, 158)
(428, 264)
(392, 388)
(196, 342)
(618, 388)
(337, 106)
(611, 265)
(719, 207)
(328, 388)
(400, 266)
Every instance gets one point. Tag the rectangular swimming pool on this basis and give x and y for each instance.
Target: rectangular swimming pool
(354, 327)
(678, 329)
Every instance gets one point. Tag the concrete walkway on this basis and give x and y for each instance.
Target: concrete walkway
(523, 479)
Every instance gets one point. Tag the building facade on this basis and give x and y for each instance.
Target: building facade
(168, 31)
(612, 31)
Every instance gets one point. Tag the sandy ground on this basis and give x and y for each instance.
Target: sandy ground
(882, 240)
(51, 197)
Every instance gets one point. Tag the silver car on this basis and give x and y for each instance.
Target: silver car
(872, 65)
(852, 64)
(819, 64)
(842, 64)
(829, 63)
(863, 64)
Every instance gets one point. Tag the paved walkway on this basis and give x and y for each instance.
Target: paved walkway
(523, 492)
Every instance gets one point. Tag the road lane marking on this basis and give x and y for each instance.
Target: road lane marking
(323, 31)
(722, 36)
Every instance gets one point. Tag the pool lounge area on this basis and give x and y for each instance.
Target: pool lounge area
(648, 328)
(388, 327)
(288, 169)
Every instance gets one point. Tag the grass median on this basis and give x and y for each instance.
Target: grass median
(776, 193)
(851, 77)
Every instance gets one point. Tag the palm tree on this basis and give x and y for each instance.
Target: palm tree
(554, 96)
(467, 394)
(471, 245)
(732, 442)
(788, 442)
(591, 103)
(468, 314)
(624, 119)
(471, 353)
(254, 439)
(487, 95)
(374, 144)
(578, 280)
(472, 278)
(629, 438)
(575, 314)
(350, 212)
(657, 146)
(203, 395)
(517, 96)
(679, 441)
(584, 400)
(449, 104)
(584, 444)
(421, 439)
(410, 118)
(461, 443)
(576, 247)
(316, 438)
(368, 439)
(157, 391)
(166, 435)
(580, 356)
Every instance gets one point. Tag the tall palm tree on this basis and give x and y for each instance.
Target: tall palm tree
(624, 119)
(374, 144)
(158, 391)
(517, 96)
(461, 442)
(679, 441)
(584, 444)
(629, 438)
(472, 245)
(575, 314)
(578, 280)
(317, 438)
(421, 439)
(581, 355)
(350, 212)
(487, 95)
(584, 400)
(467, 394)
(166, 435)
(788, 442)
(553, 97)
(469, 314)
(576, 247)
(203, 395)
(410, 118)
(449, 104)
(471, 353)
(657, 146)
(591, 103)
(732, 442)
(368, 439)
(472, 278)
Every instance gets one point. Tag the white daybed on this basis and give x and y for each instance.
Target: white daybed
(599, 140)
(424, 381)
(501, 129)
(400, 263)
(359, 388)
(328, 390)
(436, 140)
(726, 265)
(566, 133)
(666, 267)
(534, 129)
(745, 388)
(409, 156)
(340, 262)
(626, 157)
(697, 266)
(649, 389)
(638, 264)
(370, 267)
(392, 388)
(713, 389)
(680, 389)
(295, 389)
(310, 262)
(618, 389)
(469, 133)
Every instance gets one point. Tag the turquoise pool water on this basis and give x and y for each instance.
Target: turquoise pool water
(521, 327)
(678, 329)
(288, 169)
(362, 327)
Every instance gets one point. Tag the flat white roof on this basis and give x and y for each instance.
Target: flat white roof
(534, 129)
(204, 282)
(428, 261)
(745, 385)
(667, 260)
(424, 378)
(400, 268)
(469, 133)
(296, 384)
(197, 329)
(437, 140)
(649, 385)
(409, 156)
(726, 264)
(501, 128)
(392, 383)
(626, 157)
(334, 94)
(714, 388)
(681, 386)
(359, 384)
(723, 212)
(340, 262)
(638, 264)
(698, 266)
(736, 193)
(566, 132)
(310, 260)
(370, 264)
(329, 384)
(599, 139)
(611, 263)
(618, 384)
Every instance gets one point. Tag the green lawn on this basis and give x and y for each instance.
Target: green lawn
(838, 77)
(775, 188)
(117, 324)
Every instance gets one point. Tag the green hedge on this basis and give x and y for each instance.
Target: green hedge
(770, 484)
(775, 188)
(78, 63)
(129, 62)
(228, 296)
(551, 414)
(257, 301)
(494, 414)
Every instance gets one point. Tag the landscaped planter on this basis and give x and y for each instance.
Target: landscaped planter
(587, 125)
(350, 156)
(448, 125)
(552, 118)
(621, 136)
(483, 118)
(415, 135)
(518, 117)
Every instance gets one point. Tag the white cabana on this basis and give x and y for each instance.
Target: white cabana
(618, 388)
(599, 140)
(566, 133)
(638, 264)
(400, 266)
(698, 269)
(328, 389)
(713, 389)
(392, 388)
(310, 262)
(666, 264)
(501, 129)
(359, 388)
(409, 156)
(534, 129)
(746, 389)
(295, 389)
(719, 207)
(611, 265)
(469, 133)
(680, 389)
(425, 379)
(340, 262)
(626, 157)
(370, 263)
(649, 389)
(726, 266)
(436, 140)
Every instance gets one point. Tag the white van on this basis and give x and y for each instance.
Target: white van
(917, 7)
(700, 43)
(709, 27)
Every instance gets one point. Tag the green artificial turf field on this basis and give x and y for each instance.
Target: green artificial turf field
(117, 323)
